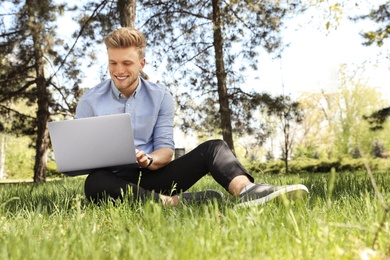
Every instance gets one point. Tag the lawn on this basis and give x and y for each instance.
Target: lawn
(342, 219)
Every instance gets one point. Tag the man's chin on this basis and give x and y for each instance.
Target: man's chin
(121, 83)
(124, 84)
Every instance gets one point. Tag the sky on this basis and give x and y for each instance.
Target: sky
(314, 56)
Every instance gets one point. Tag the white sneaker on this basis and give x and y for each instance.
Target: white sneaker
(262, 193)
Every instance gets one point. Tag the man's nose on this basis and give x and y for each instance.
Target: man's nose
(120, 68)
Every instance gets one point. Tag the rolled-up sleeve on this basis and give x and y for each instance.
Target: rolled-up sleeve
(83, 109)
(163, 130)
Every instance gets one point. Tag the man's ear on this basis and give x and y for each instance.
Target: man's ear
(142, 63)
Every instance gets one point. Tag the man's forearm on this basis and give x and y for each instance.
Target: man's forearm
(161, 157)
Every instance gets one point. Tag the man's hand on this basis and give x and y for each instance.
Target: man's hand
(161, 157)
(142, 159)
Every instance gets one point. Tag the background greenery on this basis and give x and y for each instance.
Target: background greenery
(19, 163)
(341, 219)
(50, 48)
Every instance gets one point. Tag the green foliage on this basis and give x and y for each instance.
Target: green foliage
(339, 220)
(307, 165)
(51, 170)
(380, 164)
(377, 118)
(356, 153)
(257, 167)
(308, 151)
(333, 125)
(381, 16)
(378, 149)
(271, 167)
(19, 160)
(269, 156)
(311, 166)
(351, 164)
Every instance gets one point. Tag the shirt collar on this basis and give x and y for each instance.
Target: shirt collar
(119, 95)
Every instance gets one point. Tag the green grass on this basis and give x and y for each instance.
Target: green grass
(339, 220)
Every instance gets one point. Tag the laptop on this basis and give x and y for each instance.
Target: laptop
(81, 145)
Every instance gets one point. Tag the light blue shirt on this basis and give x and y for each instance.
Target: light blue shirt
(151, 108)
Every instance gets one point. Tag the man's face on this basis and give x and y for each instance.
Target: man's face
(124, 65)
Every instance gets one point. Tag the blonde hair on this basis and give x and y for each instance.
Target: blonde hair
(126, 37)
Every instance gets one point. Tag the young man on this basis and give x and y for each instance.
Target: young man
(152, 111)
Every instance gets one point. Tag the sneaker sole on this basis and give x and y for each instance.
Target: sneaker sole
(290, 192)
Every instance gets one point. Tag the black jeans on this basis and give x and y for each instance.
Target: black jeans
(214, 157)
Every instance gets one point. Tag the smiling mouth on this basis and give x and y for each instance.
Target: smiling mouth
(122, 77)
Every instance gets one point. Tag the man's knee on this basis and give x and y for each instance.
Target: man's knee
(215, 143)
(97, 186)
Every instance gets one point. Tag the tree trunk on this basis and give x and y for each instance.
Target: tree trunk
(224, 110)
(42, 133)
(127, 14)
(38, 32)
(287, 140)
(2, 156)
(286, 153)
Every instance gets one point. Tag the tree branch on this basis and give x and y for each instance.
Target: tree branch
(96, 11)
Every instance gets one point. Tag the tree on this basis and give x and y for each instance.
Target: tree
(269, 157)
(378, 149)
(355, 99)
(377, 118)
(333, 120)
(317, 136)
(28, 53)
(207, 46)
(381, 16)
(289, 113)
(36, 19)
(356, 153)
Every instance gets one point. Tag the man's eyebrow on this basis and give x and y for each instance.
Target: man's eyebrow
(124, 61)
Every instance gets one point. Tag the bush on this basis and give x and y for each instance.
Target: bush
(380, 164)
(309, 165)
(275, 167)
(256, 167)
(351, 165)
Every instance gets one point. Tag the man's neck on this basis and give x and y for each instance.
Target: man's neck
(130, 91)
